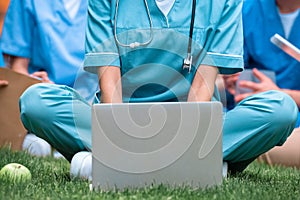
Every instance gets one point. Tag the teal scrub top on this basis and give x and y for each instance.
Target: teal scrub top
(43, 32)
(153, 72)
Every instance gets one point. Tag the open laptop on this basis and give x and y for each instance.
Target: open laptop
(140, 144)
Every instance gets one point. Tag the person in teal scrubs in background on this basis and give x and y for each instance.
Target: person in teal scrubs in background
(139, 57)
(46, 36)
(45, 39)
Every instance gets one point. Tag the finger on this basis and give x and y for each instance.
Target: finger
(259, 75)
(231, 90)
(231, 83)
(240, 97)
(3, 83)
(249, 84)
(41, 75)
(231, 78)
(37, 77)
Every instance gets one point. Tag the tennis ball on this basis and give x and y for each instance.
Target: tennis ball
(15, 172)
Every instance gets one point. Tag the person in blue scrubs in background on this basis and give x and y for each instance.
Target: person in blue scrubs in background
(261, 20)
(45, 39)
(139, 57)
(45, 36)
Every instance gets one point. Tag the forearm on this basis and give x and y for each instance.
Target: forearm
(202, 87)
(18, 64)
(295, 94)
(110, 84)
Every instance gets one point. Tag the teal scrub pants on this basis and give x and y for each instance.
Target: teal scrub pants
(62, 117)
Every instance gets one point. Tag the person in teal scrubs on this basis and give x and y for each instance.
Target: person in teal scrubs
(139, 56)
(47, 38)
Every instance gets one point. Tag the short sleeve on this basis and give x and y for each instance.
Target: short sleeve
(18, 29)
(226, 49)
(100, 46)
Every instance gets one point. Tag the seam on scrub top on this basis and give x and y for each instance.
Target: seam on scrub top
(167, 21)
(100, 53)
(226, 55)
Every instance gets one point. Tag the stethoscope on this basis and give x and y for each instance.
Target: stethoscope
(187, 62)
(133, 44)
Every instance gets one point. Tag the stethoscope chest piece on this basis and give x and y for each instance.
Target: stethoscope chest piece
(187, 63)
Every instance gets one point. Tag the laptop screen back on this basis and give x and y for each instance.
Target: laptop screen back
(138, 144)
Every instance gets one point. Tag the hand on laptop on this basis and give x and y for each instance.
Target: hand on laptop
(264, 84)
(3, 83)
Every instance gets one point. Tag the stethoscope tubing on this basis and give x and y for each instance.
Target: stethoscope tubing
(133, 44)
(187, 63)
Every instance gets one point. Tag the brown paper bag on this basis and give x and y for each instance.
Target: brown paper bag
(12, 131)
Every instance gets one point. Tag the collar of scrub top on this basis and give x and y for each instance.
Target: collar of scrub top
(165, 6)
(187, 62)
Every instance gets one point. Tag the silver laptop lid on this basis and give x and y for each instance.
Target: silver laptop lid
(174, 143)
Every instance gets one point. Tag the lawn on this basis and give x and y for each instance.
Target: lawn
(51, 180)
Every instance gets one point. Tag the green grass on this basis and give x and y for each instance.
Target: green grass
(51, 180)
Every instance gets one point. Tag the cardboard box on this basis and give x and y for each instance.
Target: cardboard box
(12, 131)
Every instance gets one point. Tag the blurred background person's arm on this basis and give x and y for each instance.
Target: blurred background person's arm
(17, 38)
